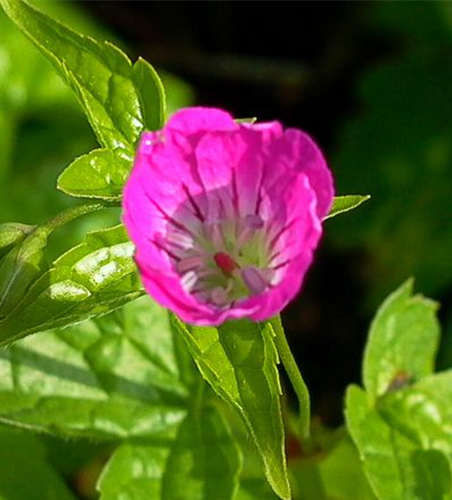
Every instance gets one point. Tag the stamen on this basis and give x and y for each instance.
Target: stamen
(254, 280)
(251, 224)
(219, 296)
(189, 280)
(190, 264)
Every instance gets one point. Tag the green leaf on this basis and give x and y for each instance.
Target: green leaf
(255, 489)
(22, 456)
(99, 174)
(342, 474)
(342, 204)
(20, 268)
(12, 234)
(397, 467)
(201, 462)
(422, 411)
(402, 343)
(239, 361)
(151, 94)
(108, 87)
(125, 377)
(120, 376)
(89, 280)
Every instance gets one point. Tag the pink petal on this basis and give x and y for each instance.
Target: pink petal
(297, 150)
(200, 119)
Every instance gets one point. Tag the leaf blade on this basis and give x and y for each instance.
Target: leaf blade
(101, 379)
(201, 462)
(403, 341)
(89, 280)
(100, 74)
(343, 204)
(239, 361)
(100, 174)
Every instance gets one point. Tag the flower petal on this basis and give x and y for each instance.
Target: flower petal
(200, 119)
(298, 150)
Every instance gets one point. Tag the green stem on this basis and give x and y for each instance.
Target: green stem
(290, 365)
(72, 213)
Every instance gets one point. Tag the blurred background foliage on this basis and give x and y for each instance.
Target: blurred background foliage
(371, 81)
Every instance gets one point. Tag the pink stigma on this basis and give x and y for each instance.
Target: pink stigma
(226, 263)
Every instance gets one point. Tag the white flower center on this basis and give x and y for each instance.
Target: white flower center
(225, 261)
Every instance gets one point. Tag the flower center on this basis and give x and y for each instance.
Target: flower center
(225, 261)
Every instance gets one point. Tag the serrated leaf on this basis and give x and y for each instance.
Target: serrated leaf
(99, 174)
(119, 376)
(100, 74)
(22, 455)
(88, 281)
(239, 361)
(202, 462)
(342, 204)
(402, 343)
(397, 467)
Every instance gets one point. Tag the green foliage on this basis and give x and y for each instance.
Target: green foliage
(120, 100)
(114, 369)
(403, 341)
(200, 462)
(238, 359)
(107, 378)
(12, 234)
(89, 280)
(23, 452)
(400, 425)
(346, 203)
(99, 174)
(109, 88)
(125, 377)
(20, 267)
(397, 466)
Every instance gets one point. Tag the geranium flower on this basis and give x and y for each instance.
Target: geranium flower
(225, 216)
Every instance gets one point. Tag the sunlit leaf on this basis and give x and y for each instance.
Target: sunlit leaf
(403, 341)
(342, 204)
(99, 174)
(11, 234)
(126, 376)
(398, 467)
(89, 280)
(239, 360)
(21, 266)
(201, 462)
(115, 377)
(100, 74)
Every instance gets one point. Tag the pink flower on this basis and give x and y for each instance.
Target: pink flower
(225, 216)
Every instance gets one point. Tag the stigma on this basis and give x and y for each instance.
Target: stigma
(225, 262)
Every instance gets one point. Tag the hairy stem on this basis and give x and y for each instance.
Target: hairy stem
(71, 214)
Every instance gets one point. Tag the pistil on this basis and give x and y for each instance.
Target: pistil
(226, 263)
